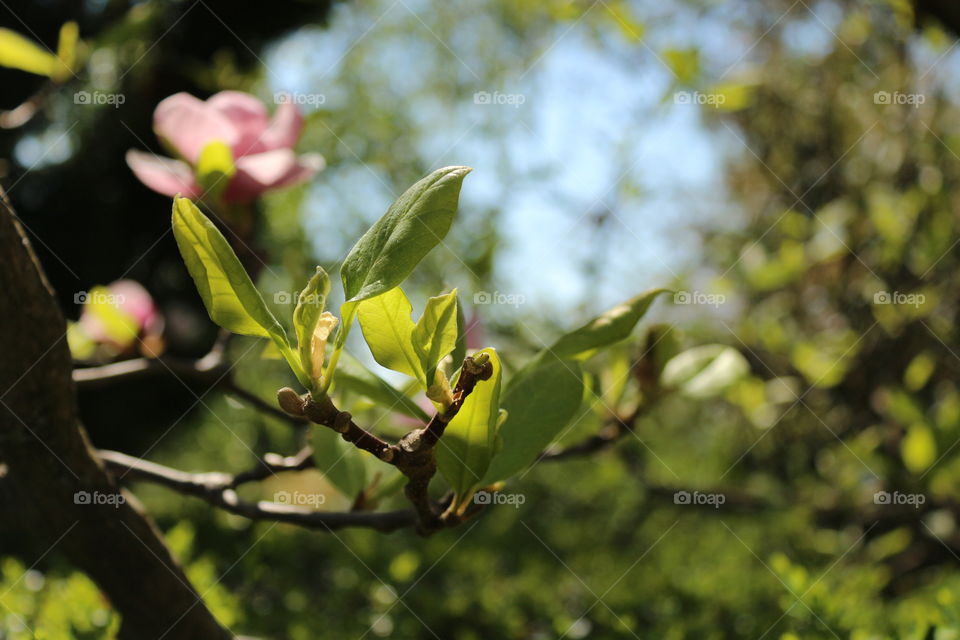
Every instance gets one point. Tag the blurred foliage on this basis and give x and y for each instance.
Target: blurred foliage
(835, 277)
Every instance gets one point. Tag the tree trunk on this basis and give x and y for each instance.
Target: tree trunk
(47, 470)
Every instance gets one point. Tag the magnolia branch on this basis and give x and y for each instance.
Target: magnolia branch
(219, 489)
(609, 434)
(212, 370)
(413, 455)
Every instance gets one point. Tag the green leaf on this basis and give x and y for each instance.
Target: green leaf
(435, 334)
(606, 329)
(18, 52)
(460, 350)
(388, 329)
(704, 371)
(343, 464)
(353, 376)
(469, 441)
(215, 167)
(540, 401)
(66, 51)
(411, 227)
(918, 448)
(227, 291)
(310, 305)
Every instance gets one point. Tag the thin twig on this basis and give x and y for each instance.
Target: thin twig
(218, 489)
(615, 429)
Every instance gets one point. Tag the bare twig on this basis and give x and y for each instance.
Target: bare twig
(207, 370)
(611, 433)
(218, 489)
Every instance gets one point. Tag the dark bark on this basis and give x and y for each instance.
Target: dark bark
(45, 460)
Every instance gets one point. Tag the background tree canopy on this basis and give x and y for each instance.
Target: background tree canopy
(788, 170)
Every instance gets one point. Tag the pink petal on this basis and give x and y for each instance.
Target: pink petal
(284, 129)
(133, 299)
(163, 175)
(307, 165)
(257, 173)
(248, 116)
(188, 124)
(262, 171)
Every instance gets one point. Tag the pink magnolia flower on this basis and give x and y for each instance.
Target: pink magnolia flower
(116, 319)
(262, 148)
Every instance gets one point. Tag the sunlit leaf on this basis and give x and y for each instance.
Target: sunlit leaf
(66, 51)
(469, 442)
(21, 53)
(704, 371)
(435, 334)
(388, 327)
(540, 401)
(229, 295)
(311, 302)
(918, 448)
(606, 329)
(81, 345)
(411, 227)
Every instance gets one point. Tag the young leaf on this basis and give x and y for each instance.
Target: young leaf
(469, 441)
(435, 334)
(704, 371)
(66, 51)
(540, 401)
(307, 317)
(388, 329)
(411, 227)
(227, 291)
(460, 349)
(610, 327)
(21, 53)
(353, 376)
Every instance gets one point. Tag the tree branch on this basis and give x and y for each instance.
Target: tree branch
(206, 371)
(218, 489)
(413, 455)
(609, 435)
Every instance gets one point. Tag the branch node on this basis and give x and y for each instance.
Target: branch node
(290, 401)
(341, 423)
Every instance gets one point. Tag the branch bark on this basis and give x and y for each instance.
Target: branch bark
(218, 489)
(46, 466)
